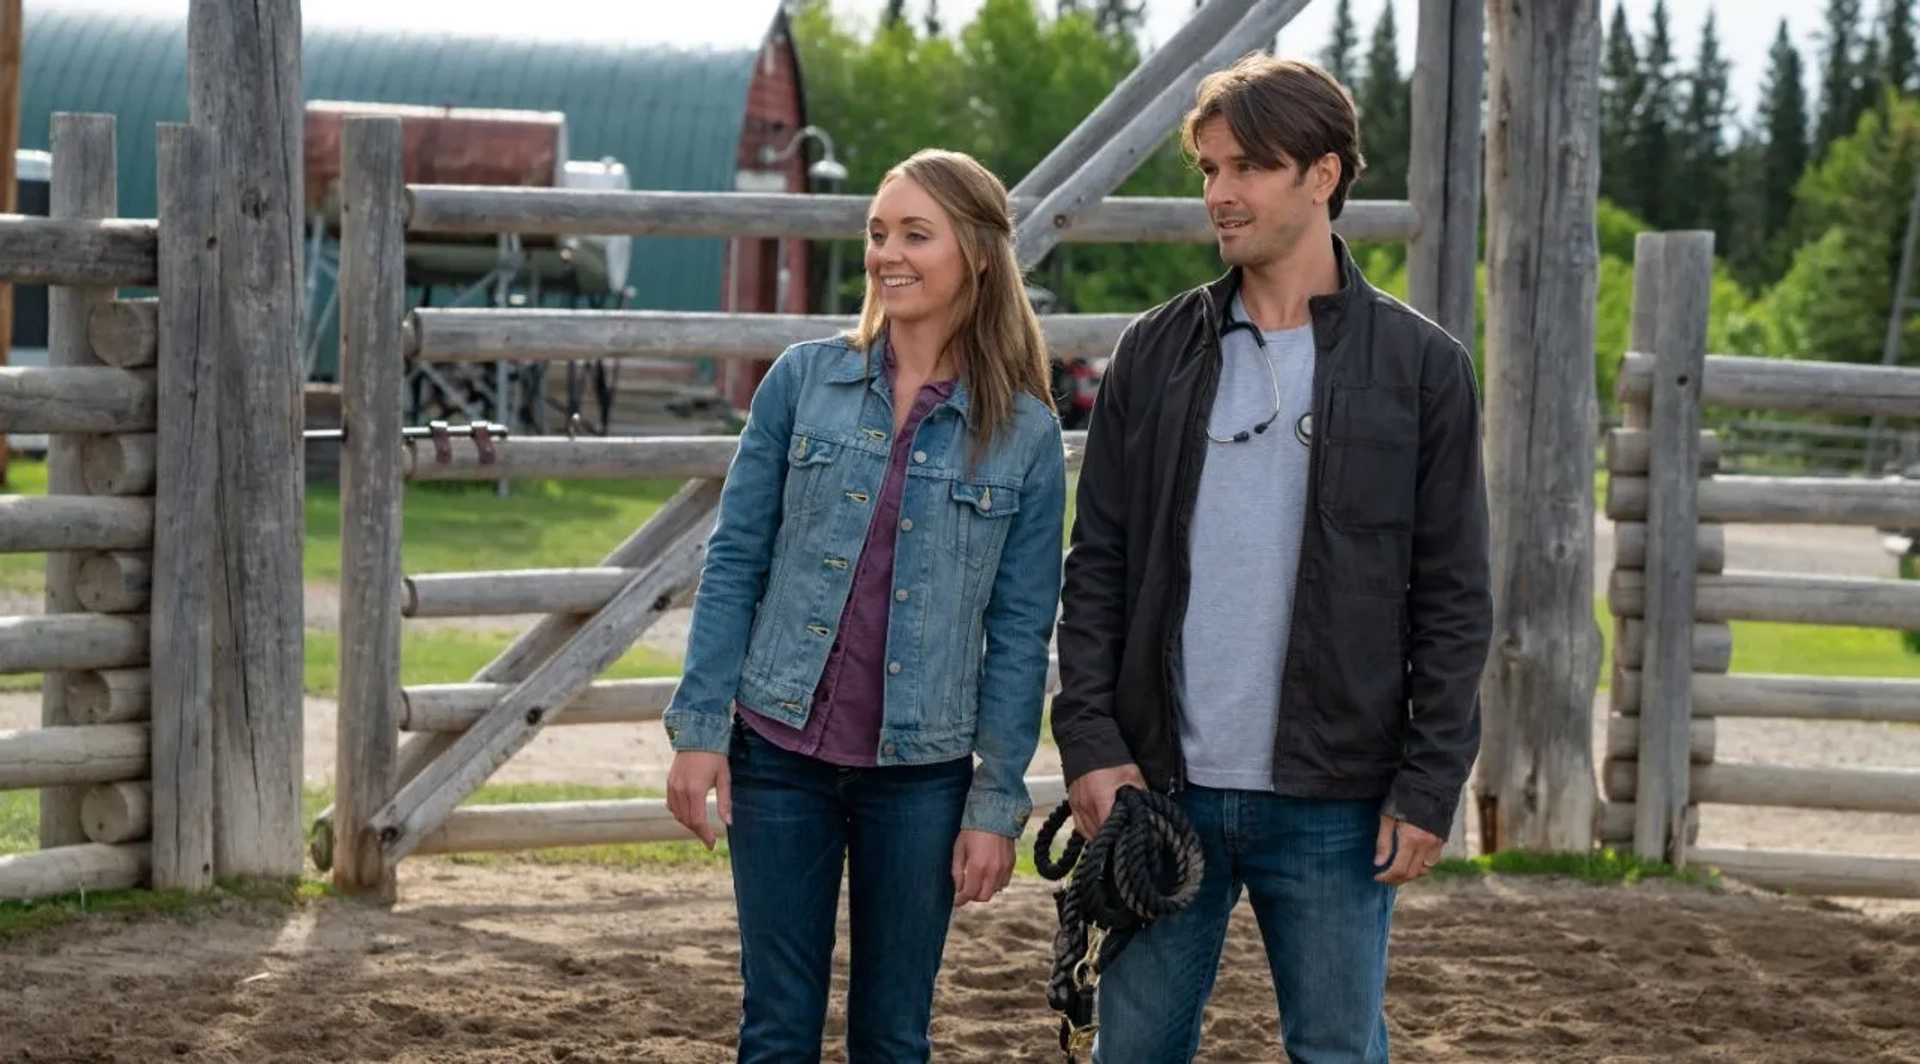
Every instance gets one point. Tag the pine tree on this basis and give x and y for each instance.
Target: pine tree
(1897, 59)
(1654, 126)
(1619, 100)
(1749, 252)
(1839, 75)
(1118, 18)
(933, 18)
(896, 13)
(1701, 198)
(1338, 55)
(1385, 106)
(1783, 122)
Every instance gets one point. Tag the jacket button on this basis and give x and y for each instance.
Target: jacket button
(906, 524)
(887, 749)
(901, 594)
(893, 668)
(919, 456)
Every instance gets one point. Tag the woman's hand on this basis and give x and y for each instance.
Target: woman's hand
(982, 864)
(694, 773)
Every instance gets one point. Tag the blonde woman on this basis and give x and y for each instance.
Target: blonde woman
(867, 661)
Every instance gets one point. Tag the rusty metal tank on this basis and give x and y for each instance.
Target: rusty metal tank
(442, 146)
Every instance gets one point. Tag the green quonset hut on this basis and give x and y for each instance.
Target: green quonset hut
(688, 96)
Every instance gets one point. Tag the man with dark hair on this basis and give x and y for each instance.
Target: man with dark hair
(1276, 602)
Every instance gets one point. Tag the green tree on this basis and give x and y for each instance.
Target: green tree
(1655, 123)
(1337, 56)
(1897, 58)
(1385, 103)
(1783, 124)
(1700, 201)
(1620, 89)
(1840, 100)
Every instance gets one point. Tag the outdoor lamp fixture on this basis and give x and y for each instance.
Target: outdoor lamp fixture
(827, 169)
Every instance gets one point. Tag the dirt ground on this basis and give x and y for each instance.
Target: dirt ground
(523, 963)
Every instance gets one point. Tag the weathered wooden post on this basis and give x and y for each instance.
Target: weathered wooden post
(1536, 782)
(244, 87)
(373, 370)
(84, 186)
(186, 466)
(1443, 176)
(1673, 471)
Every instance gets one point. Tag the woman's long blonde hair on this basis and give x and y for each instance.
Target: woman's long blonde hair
(995, 337)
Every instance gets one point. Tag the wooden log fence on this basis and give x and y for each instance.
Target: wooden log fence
(1670, 579)
(123, 755)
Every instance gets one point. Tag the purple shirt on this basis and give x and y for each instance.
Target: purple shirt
(843, 727)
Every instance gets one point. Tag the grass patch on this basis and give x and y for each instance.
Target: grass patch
(1600, 868)
(457, 526)
(22, 918)
(455, 655)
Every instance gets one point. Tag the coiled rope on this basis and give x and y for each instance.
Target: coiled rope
(1145, 863)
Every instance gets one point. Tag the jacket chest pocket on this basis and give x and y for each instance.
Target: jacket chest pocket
(813, 474)
(1371, 457)
(981, 515)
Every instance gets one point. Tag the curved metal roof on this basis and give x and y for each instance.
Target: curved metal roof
(664, 92)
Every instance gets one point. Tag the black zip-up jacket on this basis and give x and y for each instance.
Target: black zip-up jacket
(1392, 610)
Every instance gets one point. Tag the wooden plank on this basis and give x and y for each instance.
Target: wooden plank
(372, 303)
(125, 332)
(56, 523)
(1614, 825)
(1627, 451)
(1774, 696)
(1116, 158)
(1443, 175)
(450, 334)
(1666, 709)
(1851, 790)
(76, 868)
(1623, 740)
(77, 755)
(118, 812)
(1822, 874)
(110, 696)
(63, 642)
(1744, 382)
(1788, 598)
(119, 463)
(244, 87)
(1535, 778)
(546, 825)
(485, 210)
(1709, 546)
(83, 190)
(511, 591)
(454, 707)
(1783, 500)
(186, 464)
(76, 250)
(600, 458)
(116, 582)
(423, 803)
(73, 399)
(692, 507)
(1711, 646)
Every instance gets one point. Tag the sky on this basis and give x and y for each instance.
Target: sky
(1746, 28)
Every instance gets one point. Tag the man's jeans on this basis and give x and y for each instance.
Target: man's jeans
(1307, 867)
(796, 823)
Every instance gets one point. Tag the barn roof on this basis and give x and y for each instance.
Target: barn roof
(664, 91)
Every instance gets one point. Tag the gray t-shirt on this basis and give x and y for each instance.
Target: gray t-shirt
(1245, 555)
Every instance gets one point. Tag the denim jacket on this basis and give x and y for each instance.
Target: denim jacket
(979, 555)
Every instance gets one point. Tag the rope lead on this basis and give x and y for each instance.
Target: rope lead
(1144, 864)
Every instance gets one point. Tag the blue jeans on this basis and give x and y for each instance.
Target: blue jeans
(1307, 867)
(797, 822)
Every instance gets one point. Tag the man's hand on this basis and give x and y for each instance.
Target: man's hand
(1416, 854)
(982, 864)
(694, 773)
(1091, 796)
